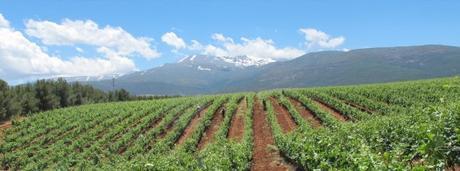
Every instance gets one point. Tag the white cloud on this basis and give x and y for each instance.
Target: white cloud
(318, 39)
(172, 39)
(226, 46)
(73, 32)
(220, 37)
(20, 58)
(195, 45)
(258, 48)
(3, 22)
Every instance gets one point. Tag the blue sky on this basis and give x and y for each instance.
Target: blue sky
(276, 23)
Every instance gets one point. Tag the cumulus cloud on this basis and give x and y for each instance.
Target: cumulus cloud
(255, 47)
(196, 45)
(258, 48)
(220, 37)
(318, 39)
(3, 22)
(74, 32)
(22, 58)
(226, 46)
(173, 40)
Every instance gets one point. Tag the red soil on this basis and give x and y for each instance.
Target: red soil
(170, 125)
(332, 111)
(3, 126)
(212, 129)
(191, 126)
(152, 124)
(455, 168)
(357, 106)
(306, 113)
(121, 133)
(265, 156)
(236, 131)
(283, 116)
(168, 128)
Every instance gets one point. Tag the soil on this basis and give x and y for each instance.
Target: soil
(332, 111)
(454, 168)
(265, 155)
(236, 131)
(212, 129)
(306, 113)
(101, 133)
(191, 126)
(357, 106)
(168, 128)
(152, 124)
(3, 126)
(283, 116)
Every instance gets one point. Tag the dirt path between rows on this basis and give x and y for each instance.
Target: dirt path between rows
(308, 115)
(153, 123)
(236, 131)
(3, 126)
(191, 126)
(208, 134)
(169, 126)
(265, 156)
(332, 111)
(359, 107)
(283, 116)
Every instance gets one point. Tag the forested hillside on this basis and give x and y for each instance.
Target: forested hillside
(45, 95)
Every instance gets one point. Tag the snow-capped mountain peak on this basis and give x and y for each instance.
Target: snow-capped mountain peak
(89, 78)
(245, 61)
(237, 61)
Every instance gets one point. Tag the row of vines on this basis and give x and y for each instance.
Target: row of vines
(393, 126)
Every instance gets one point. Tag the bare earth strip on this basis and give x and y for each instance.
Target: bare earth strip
(306, 113)
(212, 129)
(283, 116)
(191, 126)
(3, 126)
(332, 111)
(237, 126)
(265, 156)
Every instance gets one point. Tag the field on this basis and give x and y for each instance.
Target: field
(393, 126)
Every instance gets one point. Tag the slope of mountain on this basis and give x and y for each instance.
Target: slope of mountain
(210, 74)
(372, 65)
(192, 75)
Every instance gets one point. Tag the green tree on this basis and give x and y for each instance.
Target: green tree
(63, 92)
(44, 93)
(3, 100)
(122, 95)
(28, 99)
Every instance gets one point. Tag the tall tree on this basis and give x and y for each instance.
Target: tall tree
(63, 92)
(44, 93)
(3, 100)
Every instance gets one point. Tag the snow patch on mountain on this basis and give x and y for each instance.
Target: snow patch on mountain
(193, 57)
(245, 61)
(203, 69)
(238, 61)
(89, 78)
(183, 59)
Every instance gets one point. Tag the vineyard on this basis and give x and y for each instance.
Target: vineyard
(392, 126)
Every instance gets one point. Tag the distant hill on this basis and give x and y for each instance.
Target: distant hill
(210, 74)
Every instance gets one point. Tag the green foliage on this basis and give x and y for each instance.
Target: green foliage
(405, 126)
(48, 94)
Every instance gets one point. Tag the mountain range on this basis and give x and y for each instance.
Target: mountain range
(202, 74)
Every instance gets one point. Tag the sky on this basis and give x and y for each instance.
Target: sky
(50, 38)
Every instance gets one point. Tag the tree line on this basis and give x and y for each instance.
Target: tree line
(46, 95)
